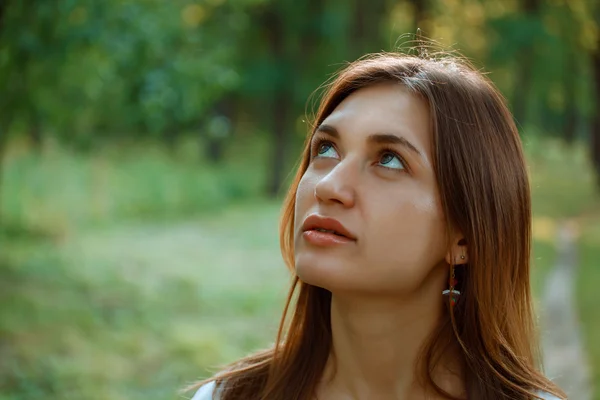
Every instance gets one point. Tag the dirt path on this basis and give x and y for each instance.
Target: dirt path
(564, 357)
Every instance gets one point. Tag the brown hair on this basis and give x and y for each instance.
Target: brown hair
(484, 192)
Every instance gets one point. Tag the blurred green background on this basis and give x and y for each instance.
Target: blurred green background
(145, 146)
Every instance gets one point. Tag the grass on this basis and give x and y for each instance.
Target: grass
(127, 274)
(135, 311)
(588, 295)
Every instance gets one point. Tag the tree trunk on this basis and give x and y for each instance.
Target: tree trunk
(281, 107)
(3, 6)
(419, 16)
(4, 126)
(214, 150)
(280, 114)
(522, 84)
(524, 68)
(595, 133)
(570, 112)
(170, 136)
(35, 132)
(4, 119)
(366, 27)
(216, 137)
(359, 29)
(570, 32)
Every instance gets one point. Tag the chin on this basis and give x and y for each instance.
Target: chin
(316, 271)
(330, 273)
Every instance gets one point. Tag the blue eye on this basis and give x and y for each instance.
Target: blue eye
(392, 161)
(326, 149)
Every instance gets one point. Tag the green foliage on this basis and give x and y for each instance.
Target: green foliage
(562, 180)
(102, 68)
(58, 189)
(86, 72)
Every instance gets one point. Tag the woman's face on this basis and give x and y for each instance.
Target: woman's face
(371, 178)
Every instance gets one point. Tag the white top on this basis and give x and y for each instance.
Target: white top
(206, 392)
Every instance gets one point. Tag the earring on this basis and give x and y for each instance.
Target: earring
(452, 282)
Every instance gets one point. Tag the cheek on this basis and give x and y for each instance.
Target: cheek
(305, 194)
(411, 232)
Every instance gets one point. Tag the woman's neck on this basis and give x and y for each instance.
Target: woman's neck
(376, 348)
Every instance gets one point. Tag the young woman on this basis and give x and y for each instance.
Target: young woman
(407, 229)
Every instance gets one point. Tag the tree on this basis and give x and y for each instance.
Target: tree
(595, 132)
(525, 63)
(293, 49)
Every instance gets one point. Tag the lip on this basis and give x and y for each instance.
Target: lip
(316, 221)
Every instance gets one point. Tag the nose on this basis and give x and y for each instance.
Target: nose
(338, 186)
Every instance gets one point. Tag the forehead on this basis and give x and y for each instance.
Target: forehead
(384, 108)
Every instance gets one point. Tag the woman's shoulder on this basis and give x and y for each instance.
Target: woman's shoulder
(206, 392)
(548, 396)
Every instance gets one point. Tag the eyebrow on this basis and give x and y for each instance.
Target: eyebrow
(379, 138)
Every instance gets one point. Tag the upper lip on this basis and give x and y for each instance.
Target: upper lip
(315, 221)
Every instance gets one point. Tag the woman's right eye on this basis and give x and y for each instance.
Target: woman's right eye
(325, 149)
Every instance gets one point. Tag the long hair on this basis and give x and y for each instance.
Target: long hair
(484, 190)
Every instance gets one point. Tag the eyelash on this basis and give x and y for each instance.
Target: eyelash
(385, 150)
(314, 147)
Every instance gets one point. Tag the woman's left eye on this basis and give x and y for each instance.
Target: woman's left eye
(392, 161)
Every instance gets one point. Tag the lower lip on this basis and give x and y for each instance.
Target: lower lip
(319, 238)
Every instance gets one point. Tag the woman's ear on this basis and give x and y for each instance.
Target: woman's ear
(458, 252)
